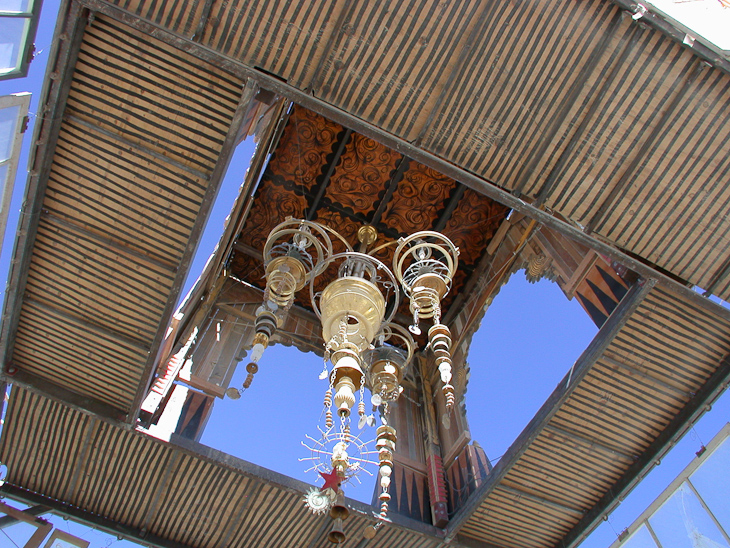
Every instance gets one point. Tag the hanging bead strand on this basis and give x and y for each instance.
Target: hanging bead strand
(328, 408)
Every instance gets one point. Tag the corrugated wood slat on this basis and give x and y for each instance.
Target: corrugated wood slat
(571, 462)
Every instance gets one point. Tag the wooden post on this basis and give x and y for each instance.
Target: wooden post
(434, 464)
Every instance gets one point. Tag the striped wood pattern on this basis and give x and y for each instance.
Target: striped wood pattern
(180, 16)
(142, 131)
(660, 358)
(142, 483)
(287, 39)
(612, 124)
(521, 75)
(390, 61)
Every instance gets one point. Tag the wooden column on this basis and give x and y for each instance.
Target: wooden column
(434, 465)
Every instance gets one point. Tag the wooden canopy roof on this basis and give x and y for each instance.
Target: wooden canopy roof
(320, 171)
(605, 130)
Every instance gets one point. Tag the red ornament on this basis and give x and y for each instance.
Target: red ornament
(331, 480)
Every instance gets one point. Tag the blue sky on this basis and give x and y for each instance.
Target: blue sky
(510, 379)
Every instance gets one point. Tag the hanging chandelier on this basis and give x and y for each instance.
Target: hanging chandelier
(363, 346)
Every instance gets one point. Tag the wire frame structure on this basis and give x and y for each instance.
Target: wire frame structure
(693, 510)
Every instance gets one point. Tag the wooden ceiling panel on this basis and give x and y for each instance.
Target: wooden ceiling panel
(156, 100)
(612, 415)
(503, 117)
(161, 491)
(672, 209)
(81, 357)
(287, 39)
(137, 143)
(306, 143)
(635, 94)
(390, 62)
(361, 177)
(95, 283)
(418, 200)
(345, 180)
(122, 194)
(564, 103)
(472, 225)
(274, 202)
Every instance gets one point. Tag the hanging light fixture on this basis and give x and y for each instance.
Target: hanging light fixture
(295, 252)
(365, 347)
(425, 264)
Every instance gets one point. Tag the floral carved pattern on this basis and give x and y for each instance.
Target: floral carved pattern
(272, 205)
(303, 148)
(472, 225)
(362, 175)
(356, 189)
(417, 200)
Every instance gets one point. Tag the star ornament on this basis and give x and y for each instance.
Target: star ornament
(331, 481)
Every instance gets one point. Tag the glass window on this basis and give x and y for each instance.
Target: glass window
(15, 6)
(712, 482)
(13, 31)
(682, 522)
(640, 539)
(8, 121)
(3, 175)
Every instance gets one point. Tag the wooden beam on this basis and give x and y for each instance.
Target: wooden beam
(87, 518)
(293, 485)
(33, 511)
(582, 366)
(205, 292)
(649, 378)
(541, 500)
(462, 541)
(204, 16)
(397, 177)
(458, 68)
(103, 331)
(92, 427)
(65, 49)
(56, 392)
(3, 395)
(318, 538)
(250, 251)
(134, 255)
(341, 145)
(596, 101)
(570, 434)
(450, 208)
(346, 119)
(242, 513)
(216, 178)
(549, 136)
(162, 487)
(673, 432)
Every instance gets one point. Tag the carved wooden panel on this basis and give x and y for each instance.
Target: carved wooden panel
(472, 225)
(418, 200)
(341, 179)
(273, 204)
(362, 176)
(307, 141)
